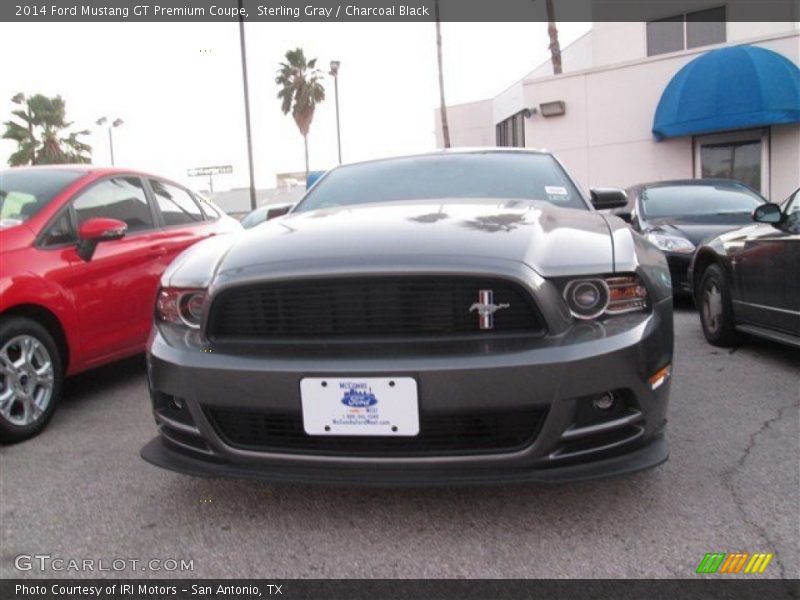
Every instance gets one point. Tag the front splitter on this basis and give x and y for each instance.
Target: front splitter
(161, 455)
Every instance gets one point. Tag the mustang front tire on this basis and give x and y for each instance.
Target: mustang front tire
(716, 308)
(30, 378)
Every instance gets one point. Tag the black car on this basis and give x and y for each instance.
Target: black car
(748, 280)
(678, 216)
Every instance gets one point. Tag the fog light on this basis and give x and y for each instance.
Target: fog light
(604, 402)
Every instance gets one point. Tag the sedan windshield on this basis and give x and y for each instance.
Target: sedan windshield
(698, 200)
(507, 175)
(24, 192)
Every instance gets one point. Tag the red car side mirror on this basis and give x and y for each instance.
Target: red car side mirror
(102, 230)
(96, 230)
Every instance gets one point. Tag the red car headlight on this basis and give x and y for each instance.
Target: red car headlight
(181, 306)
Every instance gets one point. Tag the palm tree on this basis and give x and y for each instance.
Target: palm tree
(42, 138)
(301, 90)
(442, 105)
(555, 46)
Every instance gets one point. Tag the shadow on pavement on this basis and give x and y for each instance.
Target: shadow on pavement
(683, 304)
(103, 379)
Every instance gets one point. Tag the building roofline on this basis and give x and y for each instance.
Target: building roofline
(661, 57)
(523, 79)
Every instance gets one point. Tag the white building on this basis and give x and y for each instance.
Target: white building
(613, 80)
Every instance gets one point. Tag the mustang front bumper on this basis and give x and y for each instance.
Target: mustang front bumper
(558, 378)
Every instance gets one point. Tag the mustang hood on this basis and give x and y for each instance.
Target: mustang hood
(553, 241)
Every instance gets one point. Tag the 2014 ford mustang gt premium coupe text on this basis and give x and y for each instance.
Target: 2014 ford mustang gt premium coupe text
(457, 317)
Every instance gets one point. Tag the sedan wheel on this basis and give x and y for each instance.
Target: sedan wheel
(712, 307)
(30, 378)
(716, 308)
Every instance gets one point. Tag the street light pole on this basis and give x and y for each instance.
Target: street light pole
(335, 72)
(116, 123)
(111, 145)
(247, 108)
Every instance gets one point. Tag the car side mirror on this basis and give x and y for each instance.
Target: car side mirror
(623, 214)
(605, 198)
(96, 230)
(768, 213)
(278, 211)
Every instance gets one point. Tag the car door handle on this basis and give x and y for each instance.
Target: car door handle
(158, 252)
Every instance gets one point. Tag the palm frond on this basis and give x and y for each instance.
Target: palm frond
(15, 131)
(300, 87)
(44, 138)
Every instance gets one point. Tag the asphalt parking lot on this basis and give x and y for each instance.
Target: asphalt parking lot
(732, 484)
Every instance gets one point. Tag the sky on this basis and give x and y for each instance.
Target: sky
(178, 87)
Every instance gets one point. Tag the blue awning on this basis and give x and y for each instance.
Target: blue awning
(729, 88)
(312, 177)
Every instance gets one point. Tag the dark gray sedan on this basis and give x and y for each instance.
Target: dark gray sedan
(679, 216)
(457, 317)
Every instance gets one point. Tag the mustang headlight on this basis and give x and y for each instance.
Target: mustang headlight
(671, 243)
(587, 298)
(181, 306)
(590, 298)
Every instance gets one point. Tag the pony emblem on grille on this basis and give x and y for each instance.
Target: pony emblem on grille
(486, 308)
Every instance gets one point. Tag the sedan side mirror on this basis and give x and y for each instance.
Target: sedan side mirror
(96, 230)
(623, 214)
(768, 213)
(605, 198)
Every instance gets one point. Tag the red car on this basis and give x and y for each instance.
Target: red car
(81, 253)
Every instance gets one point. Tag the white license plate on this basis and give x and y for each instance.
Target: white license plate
(384, 406)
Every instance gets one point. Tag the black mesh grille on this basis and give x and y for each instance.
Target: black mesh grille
(467, 433)
(363, 307)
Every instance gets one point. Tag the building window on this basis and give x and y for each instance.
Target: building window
(511, 132)
(687, 30)
(741, 156)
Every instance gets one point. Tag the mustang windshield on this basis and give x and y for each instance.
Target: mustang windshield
(508, 175)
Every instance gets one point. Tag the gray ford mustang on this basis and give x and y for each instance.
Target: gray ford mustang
(456, 317)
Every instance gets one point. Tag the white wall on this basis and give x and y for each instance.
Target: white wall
(470, 124)
(510, 101)
(615, 43)
(605, 136)
(575, 57)
(785, 161)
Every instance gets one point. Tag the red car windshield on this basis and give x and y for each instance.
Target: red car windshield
(24, 192)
